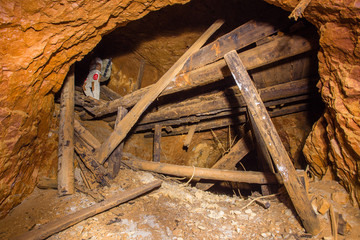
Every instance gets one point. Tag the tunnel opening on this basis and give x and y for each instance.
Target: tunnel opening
(146, 49)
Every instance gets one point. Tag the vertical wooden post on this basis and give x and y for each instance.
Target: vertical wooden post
(273, 143)
(66, 137)
(157, 143)
(115, 157)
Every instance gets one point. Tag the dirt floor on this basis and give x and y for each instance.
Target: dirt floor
(178, 211)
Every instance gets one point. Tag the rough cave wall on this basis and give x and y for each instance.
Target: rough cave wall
(335, 138)
(39, 41)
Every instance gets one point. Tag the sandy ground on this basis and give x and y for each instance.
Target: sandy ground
(177, 211)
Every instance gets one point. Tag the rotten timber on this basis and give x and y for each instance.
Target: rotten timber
(273, 142)
(157, 143)
(48, 229)
(276, 50)
(66, 137)
(125, 125)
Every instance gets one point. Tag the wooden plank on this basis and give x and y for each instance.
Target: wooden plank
(240, 37)
(189, 136)
(226, 120)
(131, 118)
(221, 102)
(66, 137)
(140, 75)
(229, 161)
(273, 142)
(115, 156)
(48, 229)
(85, 135)
(281, 48)
(157, 143)
(109, 93)
(205, 173)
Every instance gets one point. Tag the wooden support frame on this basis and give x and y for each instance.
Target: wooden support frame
(276, 50)
(273, 142)
(48, 229)
(126, 124)
(66, 136)
(189, 136)
(157, 143)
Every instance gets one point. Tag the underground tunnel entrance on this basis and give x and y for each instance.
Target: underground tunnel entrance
(145, 49)
(198, 125)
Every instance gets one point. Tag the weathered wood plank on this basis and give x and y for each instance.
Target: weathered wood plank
(85, 135)
(66, 137)
(273, 142)
(48, 229)
(189, 136)
(281, 48)
(240, 37)
(131, 118)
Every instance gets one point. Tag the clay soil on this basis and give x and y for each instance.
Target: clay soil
(176, 211)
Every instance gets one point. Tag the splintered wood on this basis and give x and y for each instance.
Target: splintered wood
(273, 143)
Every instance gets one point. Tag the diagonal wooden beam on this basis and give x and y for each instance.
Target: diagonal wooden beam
(131, 118)
(273, 142)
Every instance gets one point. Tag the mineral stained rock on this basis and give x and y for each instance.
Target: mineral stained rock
(335, 139)
(40, 39)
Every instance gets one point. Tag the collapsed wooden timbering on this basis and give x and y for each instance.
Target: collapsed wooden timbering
(197, 68)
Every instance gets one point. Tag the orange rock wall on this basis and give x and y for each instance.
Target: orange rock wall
(39, 41)
(335, 139)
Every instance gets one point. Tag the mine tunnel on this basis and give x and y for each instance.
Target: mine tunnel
(181, 120)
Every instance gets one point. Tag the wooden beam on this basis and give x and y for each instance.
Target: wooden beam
(299, 9)
(281, 48)
(277, 150)
(85, 135)
(229, 161)
(131, 118)
(221, 102)
(224, 121)
(60, 224)
(189, 136)
(157, 143)
(115, 156)
(240, 37)
(112, 95)
(205, 173)
(140, 75)
(66, 137)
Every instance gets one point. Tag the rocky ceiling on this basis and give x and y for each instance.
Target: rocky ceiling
(41, 39)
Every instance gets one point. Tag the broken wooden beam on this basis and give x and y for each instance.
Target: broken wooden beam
(238, 38)
(281, 48)
(218, 102)
(60, 224)
(87, 157)
(157, 143)
(85, 135)
(126, 124)
(224, 121)
(229, 161)
(189, 136)
(273, 142)
(66, 137)
(115, 156)
(109, 93)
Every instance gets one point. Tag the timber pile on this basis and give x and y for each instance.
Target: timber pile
(209, 99)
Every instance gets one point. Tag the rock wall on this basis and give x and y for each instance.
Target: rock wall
(335, 138)
(40, 39)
